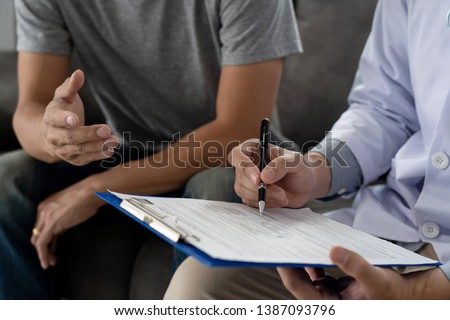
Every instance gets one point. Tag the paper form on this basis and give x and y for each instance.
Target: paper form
(236, 232)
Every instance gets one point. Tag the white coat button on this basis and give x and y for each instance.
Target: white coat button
(430, 230)
(448, 18)
(440, 161)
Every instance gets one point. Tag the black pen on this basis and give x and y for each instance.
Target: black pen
(264, 138)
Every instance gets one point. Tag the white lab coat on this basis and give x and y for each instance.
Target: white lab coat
(399, 119)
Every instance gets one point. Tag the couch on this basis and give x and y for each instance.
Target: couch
(112, 263)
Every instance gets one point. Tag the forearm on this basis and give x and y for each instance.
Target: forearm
(39, 75)
(170, 168)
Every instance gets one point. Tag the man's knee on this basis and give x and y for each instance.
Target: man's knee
(14, 176)
(212, 184)
(192, 281)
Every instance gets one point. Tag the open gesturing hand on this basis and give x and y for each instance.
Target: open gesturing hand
(65, 134)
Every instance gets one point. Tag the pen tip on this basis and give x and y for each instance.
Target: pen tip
(261, 205)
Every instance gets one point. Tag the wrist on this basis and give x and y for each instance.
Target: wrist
(430, 284)
(320, 173)
(90, 186)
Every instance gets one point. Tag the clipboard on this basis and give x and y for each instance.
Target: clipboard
(165, 225)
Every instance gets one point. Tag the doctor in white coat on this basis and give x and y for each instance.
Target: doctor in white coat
(398, 122)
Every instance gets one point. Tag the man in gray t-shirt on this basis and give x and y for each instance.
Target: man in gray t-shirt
(199, 74)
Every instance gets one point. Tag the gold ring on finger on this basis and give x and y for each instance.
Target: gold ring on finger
(36, 232)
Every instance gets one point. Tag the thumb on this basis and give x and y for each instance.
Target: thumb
(69, 89)
(356, 266)
(76, 82)
(279, 167)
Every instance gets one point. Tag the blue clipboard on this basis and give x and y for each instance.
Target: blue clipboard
(209, 261)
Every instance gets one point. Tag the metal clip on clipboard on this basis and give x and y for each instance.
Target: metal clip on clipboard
(155, 219)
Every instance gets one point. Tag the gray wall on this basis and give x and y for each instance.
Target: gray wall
(7, 28)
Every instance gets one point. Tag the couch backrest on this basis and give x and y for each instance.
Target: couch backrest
(315, 84)
(8, 100)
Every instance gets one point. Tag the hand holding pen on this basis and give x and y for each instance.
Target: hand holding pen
(288, 178)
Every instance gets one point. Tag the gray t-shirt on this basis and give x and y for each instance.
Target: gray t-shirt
(154, 66)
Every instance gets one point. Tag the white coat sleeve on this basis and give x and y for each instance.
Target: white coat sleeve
(381, 116)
